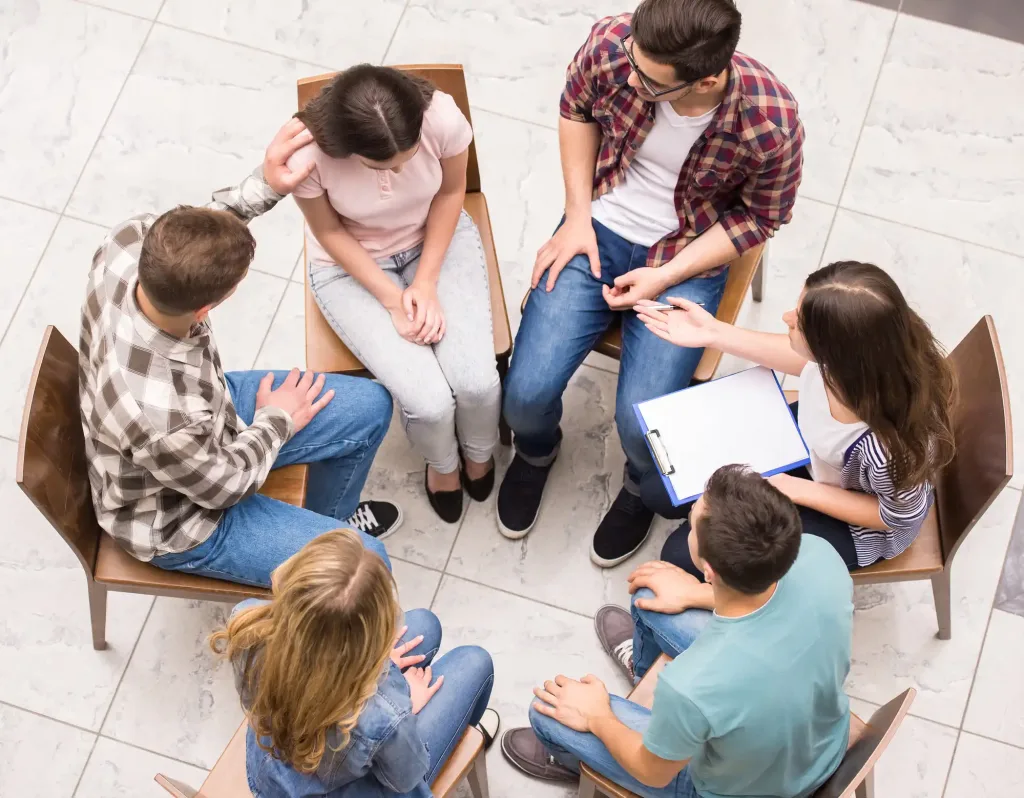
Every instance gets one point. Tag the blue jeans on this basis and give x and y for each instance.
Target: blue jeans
(654, 633)
(572, 747)
(256, 535)
(559, 329)
(468, 677)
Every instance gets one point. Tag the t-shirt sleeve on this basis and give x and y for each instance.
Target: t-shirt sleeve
(678, 728)
(449, 125)
(311, 186)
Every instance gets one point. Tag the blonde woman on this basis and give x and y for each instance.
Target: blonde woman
(334, 702)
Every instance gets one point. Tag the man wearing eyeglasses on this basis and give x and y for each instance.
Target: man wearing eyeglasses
(678, 154)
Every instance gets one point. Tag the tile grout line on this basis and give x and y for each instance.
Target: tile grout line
(394, 33)
(43, 715)
(270, 325)
(85, 165)
(113, 696)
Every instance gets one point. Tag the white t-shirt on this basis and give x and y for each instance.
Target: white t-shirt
(642, 208)
(827, 438)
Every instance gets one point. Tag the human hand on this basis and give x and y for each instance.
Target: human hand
(401, 649)
(423, 309)
(674, 589)
(289, 140)
(403, 324)
(575, 237)
(643, 283)
(295, 396)
(576, 704)
(420, 688)
(690, 325)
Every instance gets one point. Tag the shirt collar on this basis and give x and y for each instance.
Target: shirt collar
(183, 350)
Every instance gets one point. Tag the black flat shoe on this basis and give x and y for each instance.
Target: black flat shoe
(446, 503)
(479, 489)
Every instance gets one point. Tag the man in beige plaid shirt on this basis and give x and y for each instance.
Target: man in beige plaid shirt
(178, 449)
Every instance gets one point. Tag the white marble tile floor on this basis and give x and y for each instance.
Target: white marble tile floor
(108, 108)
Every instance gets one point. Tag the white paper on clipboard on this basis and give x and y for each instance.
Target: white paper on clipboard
(741, 418)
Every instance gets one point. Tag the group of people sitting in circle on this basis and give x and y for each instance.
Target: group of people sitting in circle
(678, 154)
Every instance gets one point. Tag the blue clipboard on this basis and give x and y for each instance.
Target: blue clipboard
(662, 458)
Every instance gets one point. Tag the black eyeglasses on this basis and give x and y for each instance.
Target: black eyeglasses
(652, 87)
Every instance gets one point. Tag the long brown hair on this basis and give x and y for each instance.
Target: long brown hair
(313, 656)
(372, 111)
(880, 359)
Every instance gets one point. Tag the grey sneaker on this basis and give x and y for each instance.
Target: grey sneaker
(614, 627)
(522, 748)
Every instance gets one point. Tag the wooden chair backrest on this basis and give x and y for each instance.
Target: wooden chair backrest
(862, 756)
(983, 464)
(449, 78)
(51, 468)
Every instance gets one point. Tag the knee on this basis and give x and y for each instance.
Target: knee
(432, 406)
(544, 727)
(375, 402)
(477, 389)
(424, 622)
(526, 397)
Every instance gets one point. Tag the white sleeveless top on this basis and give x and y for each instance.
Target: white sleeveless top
(827, 439)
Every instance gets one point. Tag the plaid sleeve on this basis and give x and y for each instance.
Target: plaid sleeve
(191, 461)
(768, 196)
(580, 78)
(251, 198)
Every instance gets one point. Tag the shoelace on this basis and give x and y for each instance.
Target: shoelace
(623, 652)
(363, 518)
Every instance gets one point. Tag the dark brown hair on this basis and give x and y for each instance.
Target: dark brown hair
(696, 37)
(372, 111)
(880, 359)
(749, 532)
(193, 257)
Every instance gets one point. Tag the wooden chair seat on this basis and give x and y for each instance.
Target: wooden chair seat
(923, 558)
(743, 272)
(228, 779)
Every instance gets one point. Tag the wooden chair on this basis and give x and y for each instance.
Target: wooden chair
(324, 350)
(52, 472)
(227, 779)
(853, 777)
(746, 272)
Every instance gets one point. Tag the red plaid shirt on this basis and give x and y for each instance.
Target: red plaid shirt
(743, 171)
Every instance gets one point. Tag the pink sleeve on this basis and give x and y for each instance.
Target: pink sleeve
(452, 129)
(310, 187)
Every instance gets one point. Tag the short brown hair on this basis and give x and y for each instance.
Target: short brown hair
(696, 37)
(193, 257)
(372, 111)
(749, 532)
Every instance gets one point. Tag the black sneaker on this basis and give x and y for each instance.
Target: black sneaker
(519, 497)
(376, 519)
(622, 531)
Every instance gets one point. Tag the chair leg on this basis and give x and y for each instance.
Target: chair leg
(866, 789)
(943, 609)
(757, 285)
(588, 789)
(98, 614)
(504, 432)
(477, 777)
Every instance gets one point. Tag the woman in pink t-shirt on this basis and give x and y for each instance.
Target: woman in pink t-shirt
(397, 266)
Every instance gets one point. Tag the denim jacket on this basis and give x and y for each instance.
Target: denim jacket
(384, 755)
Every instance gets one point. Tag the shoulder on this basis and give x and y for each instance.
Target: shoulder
(767, 105)
(443, 114)
(609, 32)
(311, 153)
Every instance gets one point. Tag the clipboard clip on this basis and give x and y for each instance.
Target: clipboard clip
(660, 453)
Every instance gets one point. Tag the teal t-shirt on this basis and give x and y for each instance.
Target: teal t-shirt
(757, 703)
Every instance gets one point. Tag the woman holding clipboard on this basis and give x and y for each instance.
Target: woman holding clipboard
(876, 398)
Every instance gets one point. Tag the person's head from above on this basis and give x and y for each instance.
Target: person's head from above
(744, 533)
(323, 641)
(878, 357)
(192, 259)
(681, 48)
(373, 113)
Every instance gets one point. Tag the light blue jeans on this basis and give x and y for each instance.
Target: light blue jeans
(654, 633)
(259, 533)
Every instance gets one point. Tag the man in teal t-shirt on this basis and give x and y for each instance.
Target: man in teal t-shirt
(754, 707)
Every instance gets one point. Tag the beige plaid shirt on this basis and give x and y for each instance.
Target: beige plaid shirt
(167, 453)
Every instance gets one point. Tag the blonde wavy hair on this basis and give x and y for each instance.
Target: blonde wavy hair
(314, 655)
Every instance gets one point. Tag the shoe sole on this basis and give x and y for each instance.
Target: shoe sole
(394, 527)
(601, 562)
(514, 762)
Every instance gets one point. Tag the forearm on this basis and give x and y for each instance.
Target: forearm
(351, 256)
(442, 219)
(709, 250)
(853, 507)
(766, 349)
(578, 143)
(627, 747)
